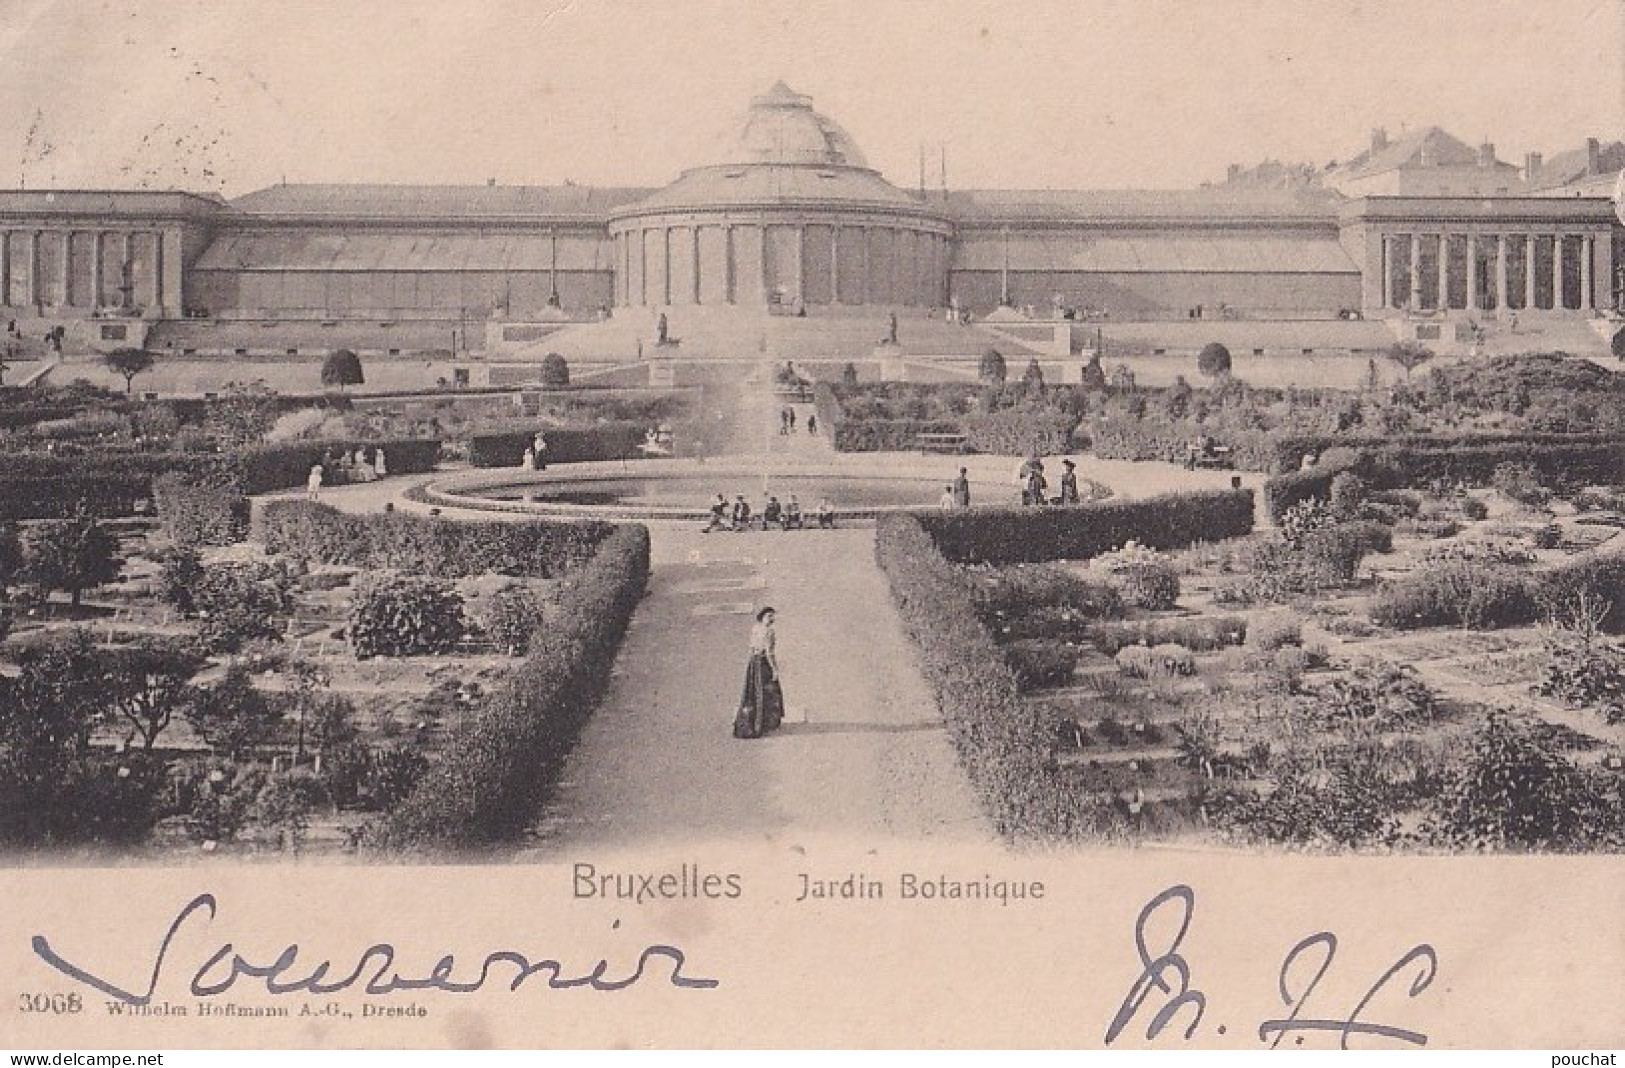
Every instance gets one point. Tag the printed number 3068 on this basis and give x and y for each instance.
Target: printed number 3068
(60, 1004)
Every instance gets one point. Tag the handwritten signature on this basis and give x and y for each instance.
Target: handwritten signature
(374, 973)
(1168, 974)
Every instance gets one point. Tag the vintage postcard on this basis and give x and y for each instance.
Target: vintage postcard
(759, 524)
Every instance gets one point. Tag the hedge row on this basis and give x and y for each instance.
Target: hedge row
(887, 435)
(428, 545)
(1478, 597)
(612, 441)
(1002, 742)
(500, 766)
(57, 498)
(43, 485)
(1122, 437)
(1407, 463)
(1077, 532)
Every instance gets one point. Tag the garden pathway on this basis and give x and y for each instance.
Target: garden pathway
(863, 751)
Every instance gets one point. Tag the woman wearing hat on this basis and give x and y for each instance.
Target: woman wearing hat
(1069, 482)
(762, 707)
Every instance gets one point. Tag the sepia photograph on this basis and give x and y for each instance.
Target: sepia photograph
(943, 486)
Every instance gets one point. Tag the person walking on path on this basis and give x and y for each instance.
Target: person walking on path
(379, 466)
(313, 484)
(961, 488)
(949, 501)
(761, 707)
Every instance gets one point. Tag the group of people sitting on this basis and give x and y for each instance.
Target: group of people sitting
(787, 515)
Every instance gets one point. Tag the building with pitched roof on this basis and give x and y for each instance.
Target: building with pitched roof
(787, 217)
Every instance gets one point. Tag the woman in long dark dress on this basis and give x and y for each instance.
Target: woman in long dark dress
(761, 708)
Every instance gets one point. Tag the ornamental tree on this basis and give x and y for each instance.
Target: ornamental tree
(129, 363)
(1214, 360)
(342, 368)
(71, 554)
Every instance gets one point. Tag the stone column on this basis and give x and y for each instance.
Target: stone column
(553, 264)
(96, 280)
(729, 296)
(127, 271)
(159, 292)
(1557, 272)
(801, 265)
(1501, 280)
(36, 294)
(767, 290)
(1444, 272)
(1529, 272)
(1473, 301)
(863, 275)
(1416, 275)
(1385, 266)
(5, 268)
(65, 270)
(665, 266)
(1587, 251)
(835, 263)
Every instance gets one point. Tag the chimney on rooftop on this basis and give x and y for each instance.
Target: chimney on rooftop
(1233, 173)
(1486, 155)
(1379, 139)
(491, 183)
(1593, 156)
(1531, 167)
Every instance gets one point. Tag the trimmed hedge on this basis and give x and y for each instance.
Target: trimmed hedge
(60, 497)
(612, 441)
(1405, 463)
(887, 435)
(427, 545)
(1077, 532)
(200, 509)
(500, 766)
(44, 485)
(1003, 743)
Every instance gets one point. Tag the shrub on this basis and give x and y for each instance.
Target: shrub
(1019, 431)
(1374, 696)
(1041, 662)
(1032, 535)
(1549, 536)
(1521, 482)
(1473, 509)
(393, 773)
(400, 615)
(1213, 360)
(555, 371)
(201, 509)
(1348, 493)
(1307, 517)
(1026, 586)
(1168, 660)
(1201, 634)
(510, 617)
(426, 545)
(1275, 629)
(502, 763)
(1513, 791)
(1457, 593)
(1144, 577)
(992, 368)
(235, 603)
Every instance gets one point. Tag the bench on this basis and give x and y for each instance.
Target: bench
(941, 442)
(1215, 457)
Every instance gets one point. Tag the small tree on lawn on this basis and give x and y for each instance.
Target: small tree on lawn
(1032, 379)
(849, 374)
(129, 363)
(1410, 355)
(555, 371)
(232, 716)
(992, 368)
(71, 554)
(1094, 375)
(342, 368)
(149, 682)
(1214, 360)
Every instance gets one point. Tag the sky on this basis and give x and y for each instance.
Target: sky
(229, 96)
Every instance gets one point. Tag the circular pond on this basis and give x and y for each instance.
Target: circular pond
(696, 494)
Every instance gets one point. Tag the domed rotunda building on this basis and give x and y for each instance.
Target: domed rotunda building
(791, 216)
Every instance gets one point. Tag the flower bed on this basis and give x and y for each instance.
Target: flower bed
(498, 768)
